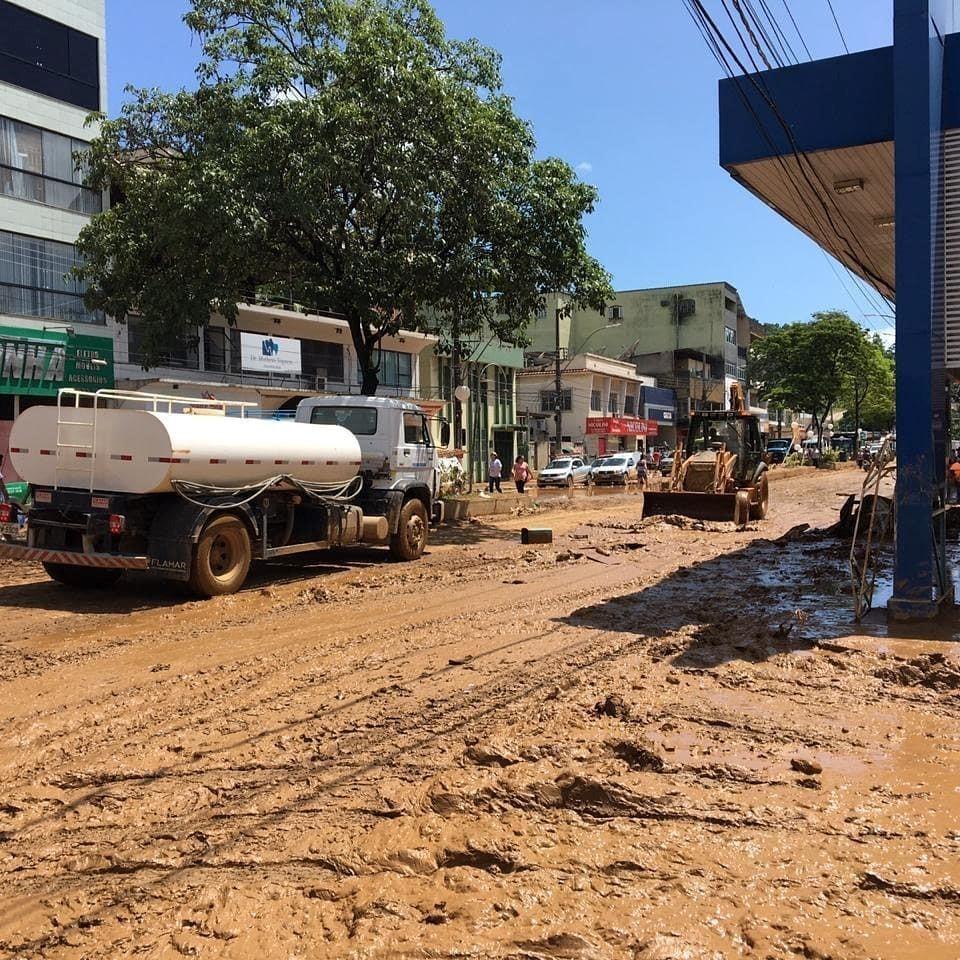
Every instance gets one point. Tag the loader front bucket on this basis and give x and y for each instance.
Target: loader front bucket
(700, 506)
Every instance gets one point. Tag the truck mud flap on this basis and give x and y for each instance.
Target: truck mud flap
(699, 506)
(101, 561)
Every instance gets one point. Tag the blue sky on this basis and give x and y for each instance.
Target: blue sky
(626, 91)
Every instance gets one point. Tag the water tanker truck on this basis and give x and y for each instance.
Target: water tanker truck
(195, 490)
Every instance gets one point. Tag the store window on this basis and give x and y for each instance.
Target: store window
(49, 58)
(35, 280)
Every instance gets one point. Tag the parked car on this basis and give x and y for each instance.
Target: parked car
(619, 469)
(778, 450)
(666, 463)
(596, 463)
(563, 472)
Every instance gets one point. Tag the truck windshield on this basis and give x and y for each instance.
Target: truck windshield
(558, 464)
(360, 421)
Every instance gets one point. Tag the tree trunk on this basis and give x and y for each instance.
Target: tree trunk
(365, 346)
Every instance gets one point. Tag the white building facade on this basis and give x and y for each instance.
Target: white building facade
(274, 355)
(601, 409)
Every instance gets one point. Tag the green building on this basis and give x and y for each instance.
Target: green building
(484, 421)
(693, 338)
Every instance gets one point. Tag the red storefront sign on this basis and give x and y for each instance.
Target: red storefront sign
(622, 427)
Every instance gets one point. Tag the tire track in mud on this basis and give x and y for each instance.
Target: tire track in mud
(374, 834)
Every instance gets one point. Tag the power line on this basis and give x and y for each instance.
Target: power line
(837, 22)
(793, 20)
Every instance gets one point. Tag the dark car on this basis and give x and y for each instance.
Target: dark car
(777, 450)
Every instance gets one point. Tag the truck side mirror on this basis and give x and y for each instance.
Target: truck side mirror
(444, 434)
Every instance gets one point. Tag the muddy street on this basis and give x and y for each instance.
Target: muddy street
(650, 739)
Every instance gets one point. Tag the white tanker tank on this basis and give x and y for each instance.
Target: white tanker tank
(144, 451)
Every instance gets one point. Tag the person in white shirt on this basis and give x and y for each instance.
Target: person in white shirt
(493, 474)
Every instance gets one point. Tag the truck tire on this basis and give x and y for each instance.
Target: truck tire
(85, 578)
(758, 509)
(222, 558)
(741, 508)
(409, 541)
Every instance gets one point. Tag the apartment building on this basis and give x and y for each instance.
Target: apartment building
(693, 339)
(52, 76)
(601, 407)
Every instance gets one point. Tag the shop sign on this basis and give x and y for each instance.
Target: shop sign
(621, 427)
(37, 363)
(261, 353)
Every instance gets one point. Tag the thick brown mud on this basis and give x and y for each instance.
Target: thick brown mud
(656, 740)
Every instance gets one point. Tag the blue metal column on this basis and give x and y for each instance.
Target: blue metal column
(919, 26)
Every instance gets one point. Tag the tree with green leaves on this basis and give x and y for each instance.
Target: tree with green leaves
(806, 366)
(345, 154)
(868, 389)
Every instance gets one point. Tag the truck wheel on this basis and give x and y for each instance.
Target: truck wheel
(758, 510)
(222, 558)
(86, 578)
(411, 537)
(741, 508)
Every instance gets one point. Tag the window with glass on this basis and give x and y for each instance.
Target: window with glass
(47, 57)
(730, 335)
(361, 421)
(548, 400)
(596, 402)
(613, 404)
(319, 358)
(179, 351)
(629, 405)
(39, 165)
(215, 343)
(35, 280)
(396, 369)
(416, 430)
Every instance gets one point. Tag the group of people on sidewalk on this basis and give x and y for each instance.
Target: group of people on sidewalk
(521, 474)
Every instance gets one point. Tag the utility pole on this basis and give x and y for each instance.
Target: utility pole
(558, 387)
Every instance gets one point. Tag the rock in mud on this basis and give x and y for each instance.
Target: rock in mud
(806, 765)
(636, 756)
(613, 706)
(491, 755)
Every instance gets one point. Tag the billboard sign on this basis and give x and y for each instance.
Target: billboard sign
(37, 363)
(621, 427)
(262, 353)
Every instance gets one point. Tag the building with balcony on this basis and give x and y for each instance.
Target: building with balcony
(601, 407)
(274, 356)
(52, 76)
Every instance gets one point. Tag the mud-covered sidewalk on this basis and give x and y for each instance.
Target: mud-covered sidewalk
(648, 740)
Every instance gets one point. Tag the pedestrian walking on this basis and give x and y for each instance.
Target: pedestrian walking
(494, 470)
(521, 473)
(642, 472)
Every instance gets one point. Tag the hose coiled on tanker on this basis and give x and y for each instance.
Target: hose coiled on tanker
(336, 492)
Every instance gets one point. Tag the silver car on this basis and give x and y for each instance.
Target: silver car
(620, 469)
(563, 472)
